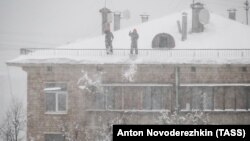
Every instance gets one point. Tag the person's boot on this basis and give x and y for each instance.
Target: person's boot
(111, 51)
(107, 51)
(131, 51)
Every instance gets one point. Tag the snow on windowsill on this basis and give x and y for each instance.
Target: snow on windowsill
(52, 89)
(126, 111)
(217, 110)
(56, 113)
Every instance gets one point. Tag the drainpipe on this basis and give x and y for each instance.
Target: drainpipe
(177, 84)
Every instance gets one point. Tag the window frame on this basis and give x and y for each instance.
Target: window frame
(57, 93)
(52, 133)
(222, 88)
(122, 107)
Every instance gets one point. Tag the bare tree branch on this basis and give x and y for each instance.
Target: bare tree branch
(13, 123)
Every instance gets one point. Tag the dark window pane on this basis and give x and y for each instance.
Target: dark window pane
(62, 102)
(185, 98)
(132, 98)
(99, 100)
(114, 98)
(110, 98)
(241, 98)
(218, 98)
(197, 98)
(167, 91)
(247, 91)
(229, 98)
(50, 99)
(157, 98)
(208, 98)
(54, 137)
(147, 105)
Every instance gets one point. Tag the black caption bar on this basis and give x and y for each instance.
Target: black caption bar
(164, 132)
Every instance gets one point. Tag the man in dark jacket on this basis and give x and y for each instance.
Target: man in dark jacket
(108, 41)
(134, 38)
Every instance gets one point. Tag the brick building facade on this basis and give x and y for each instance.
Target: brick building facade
(221, 91)
(78, 91)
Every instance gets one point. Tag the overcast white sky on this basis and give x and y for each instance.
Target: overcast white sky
(49, 22)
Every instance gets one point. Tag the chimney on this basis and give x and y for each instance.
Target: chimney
(105, 19)
(232, 14)
(184, 26)
(144, 18)
(197, 27)
(117, 21)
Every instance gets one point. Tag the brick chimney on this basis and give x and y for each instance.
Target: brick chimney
(184, 26)
(197, 27)
(105, 21)
(144, 18)
(232, 14)
(117, 21)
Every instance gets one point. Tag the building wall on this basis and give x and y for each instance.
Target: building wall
(147, 76)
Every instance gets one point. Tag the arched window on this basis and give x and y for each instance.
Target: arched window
(163, 40)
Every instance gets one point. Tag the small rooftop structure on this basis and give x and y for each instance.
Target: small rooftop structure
(163, 40)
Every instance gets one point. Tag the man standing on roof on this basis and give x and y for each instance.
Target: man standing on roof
(134, 38)
(108, 41)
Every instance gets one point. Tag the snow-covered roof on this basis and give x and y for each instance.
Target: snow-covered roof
(221, 33)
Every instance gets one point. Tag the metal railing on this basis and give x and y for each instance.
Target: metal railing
(179, 53)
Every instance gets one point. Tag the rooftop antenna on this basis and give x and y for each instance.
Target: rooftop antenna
(247, 9)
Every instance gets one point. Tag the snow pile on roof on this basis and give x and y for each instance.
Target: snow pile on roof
(220, 33)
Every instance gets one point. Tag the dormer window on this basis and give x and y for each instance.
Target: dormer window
(163, 40)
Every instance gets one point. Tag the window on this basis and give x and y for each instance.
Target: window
(201, 98)
(244, 69)
(55, 97)
(49, 68)
(114, 98)
(163, 40)
(196, 99)
(229, 98)
(207, 98)
(131, 98)
(193, 69)
(54, 137)
(159, 98)
(241, 95)
(217, 98)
